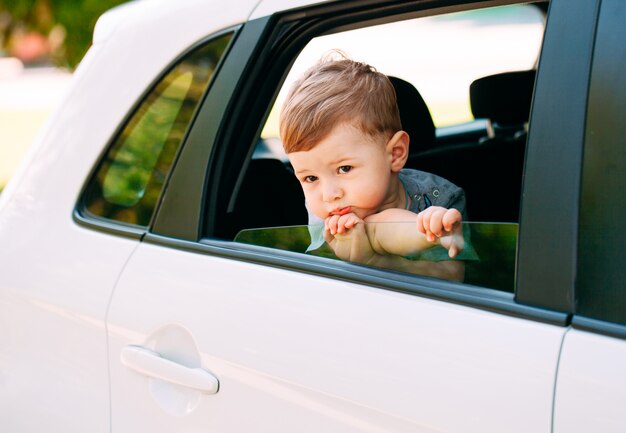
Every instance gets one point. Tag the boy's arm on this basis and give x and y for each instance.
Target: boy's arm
(353, 245)
(435, 226)
(347, 237)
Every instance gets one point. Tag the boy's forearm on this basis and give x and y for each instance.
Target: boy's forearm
(396, 239)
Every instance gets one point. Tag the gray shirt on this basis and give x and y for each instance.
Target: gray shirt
(427, 189)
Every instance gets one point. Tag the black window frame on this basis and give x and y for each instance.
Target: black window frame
(547, 247)
(600, 291)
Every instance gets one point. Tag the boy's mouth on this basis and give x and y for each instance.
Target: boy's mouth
(341, 211)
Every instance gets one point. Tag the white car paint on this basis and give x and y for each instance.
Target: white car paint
(591, 386)
(268, 7)
(55, 291)
(322, 353)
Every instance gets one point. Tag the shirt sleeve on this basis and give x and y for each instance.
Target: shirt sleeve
(316, 231)
(457, 201)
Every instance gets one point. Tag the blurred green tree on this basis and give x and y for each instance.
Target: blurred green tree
(50, 31)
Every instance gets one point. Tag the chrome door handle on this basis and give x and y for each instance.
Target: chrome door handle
(151, 364)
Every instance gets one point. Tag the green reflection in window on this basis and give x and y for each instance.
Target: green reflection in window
(127, 178)
(488, 258)
(130, 179)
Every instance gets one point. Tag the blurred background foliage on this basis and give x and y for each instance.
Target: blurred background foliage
(49, 32)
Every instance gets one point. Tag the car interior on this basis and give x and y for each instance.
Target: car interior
(490, 168)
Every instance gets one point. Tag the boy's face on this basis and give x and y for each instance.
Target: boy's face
(350, 171)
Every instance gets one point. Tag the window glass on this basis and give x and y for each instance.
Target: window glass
(600, 290)
(128, 183)
(487, 259)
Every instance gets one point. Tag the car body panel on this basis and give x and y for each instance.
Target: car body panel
(591, 387)
(54, 291)
(269, 7)
(323, 353)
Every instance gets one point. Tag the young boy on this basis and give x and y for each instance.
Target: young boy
(341, 130)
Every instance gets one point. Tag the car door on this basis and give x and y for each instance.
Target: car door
(209, 334)
(591, 385)
(301, 352)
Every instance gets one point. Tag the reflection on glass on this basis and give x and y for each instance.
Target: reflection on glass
(128, 184)
(127, 178)
(487, 260)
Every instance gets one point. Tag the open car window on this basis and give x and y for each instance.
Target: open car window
(464, 83)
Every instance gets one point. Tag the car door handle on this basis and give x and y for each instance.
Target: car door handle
(152, 364)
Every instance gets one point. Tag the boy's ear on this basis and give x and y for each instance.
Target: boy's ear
(398, 150)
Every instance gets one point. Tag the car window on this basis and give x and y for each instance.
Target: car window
(131, 176)
(464, 83)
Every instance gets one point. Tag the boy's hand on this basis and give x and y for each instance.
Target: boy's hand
(442, 225)
(346, 235)
(341, 223)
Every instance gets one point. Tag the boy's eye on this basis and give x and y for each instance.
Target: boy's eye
(310, 179)
(344, 169)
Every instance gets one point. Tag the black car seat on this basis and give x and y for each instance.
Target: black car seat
(269, 196)
(414, 115)
(504, 101)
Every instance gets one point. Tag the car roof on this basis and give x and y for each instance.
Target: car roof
(268, 7)
(157, 11)
(165, 18)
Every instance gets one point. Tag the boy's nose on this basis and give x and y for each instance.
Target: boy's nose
(331, 192)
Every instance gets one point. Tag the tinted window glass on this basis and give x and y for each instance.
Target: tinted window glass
(487, 260)
(601, 292)
(128, 183)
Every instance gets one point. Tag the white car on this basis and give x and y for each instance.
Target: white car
(145, 286)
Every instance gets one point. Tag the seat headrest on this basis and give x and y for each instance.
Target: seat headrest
(414, 115)
(503, 98)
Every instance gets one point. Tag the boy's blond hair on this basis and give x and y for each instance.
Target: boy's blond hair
(336, 91)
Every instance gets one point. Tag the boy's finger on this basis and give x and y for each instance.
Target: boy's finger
(339, 226)
(349, 222)
(426, 220)
(332, 224)
(450, 218)
(435, 223)
(420, 223)
(343, 223)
